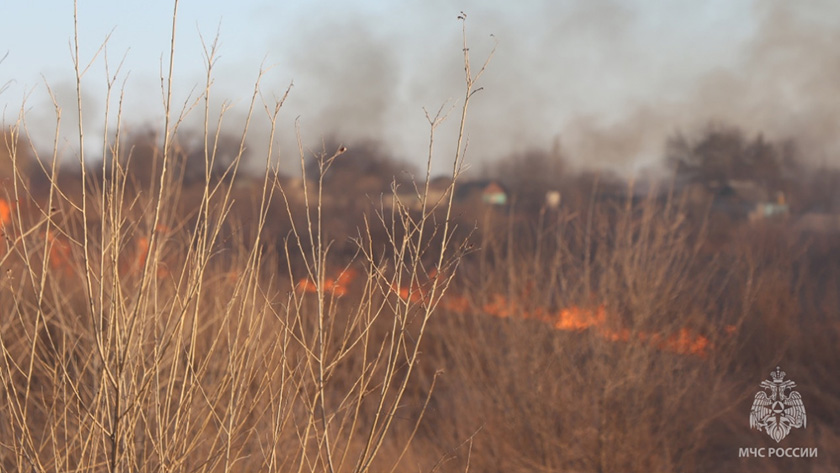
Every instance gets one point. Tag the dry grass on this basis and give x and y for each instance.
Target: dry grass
(610, 395)
(138, 338)
(156, 327)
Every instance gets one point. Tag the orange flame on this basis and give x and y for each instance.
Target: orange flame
(143, 253)
(5, 213)
(5, 219)
(60, 254)
(337, 286)
(576, 319)
(418, 292)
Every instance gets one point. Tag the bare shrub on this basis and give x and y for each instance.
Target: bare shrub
(139, 337)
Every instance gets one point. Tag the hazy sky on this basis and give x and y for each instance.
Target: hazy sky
(610, 79)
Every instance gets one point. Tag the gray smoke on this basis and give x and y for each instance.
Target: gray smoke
(610, 79)
(611, 82)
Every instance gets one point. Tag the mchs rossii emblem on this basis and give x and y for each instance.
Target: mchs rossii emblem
(777, 408)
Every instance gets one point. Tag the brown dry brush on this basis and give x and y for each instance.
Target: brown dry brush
(542, 399)
(150, 341)
(146, 326)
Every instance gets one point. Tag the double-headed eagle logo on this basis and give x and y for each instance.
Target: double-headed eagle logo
(778, 408)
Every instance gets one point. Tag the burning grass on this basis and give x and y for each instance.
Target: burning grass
(156, 326)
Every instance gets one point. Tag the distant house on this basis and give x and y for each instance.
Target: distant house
(486, 192)
(739, 199)
(489, 192)
(767, 209)
(494, 194)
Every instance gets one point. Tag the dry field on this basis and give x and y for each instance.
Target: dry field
(231, 325)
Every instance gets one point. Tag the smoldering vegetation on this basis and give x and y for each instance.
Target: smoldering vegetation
(588, 322)
(179, 302)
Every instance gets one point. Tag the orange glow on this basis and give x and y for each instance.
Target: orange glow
(60, 255)
(576, 318)
(498, 307)
(5, 219)
(143, 253)
(336, 286)
(571, 319)
(686, 342)
(5, 213)
(457, 304)
(232, 276)
(417, 292)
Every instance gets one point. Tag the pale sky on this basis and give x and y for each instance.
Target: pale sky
(611, 79)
